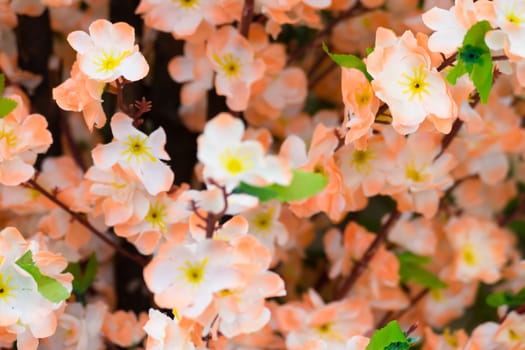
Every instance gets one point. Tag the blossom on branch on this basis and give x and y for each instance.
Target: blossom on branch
(136, 153)
(109, 52)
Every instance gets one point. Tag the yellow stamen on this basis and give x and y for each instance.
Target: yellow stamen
(137, 148)
(361, 161)
(109, 61)
(416, 84)
(157, 215)
(187, 4)
(469, 255)
(263, 221)
(194, 271)
(6, 290)
(229, 64)
(234, 162)
(9, 137)
(414, 174)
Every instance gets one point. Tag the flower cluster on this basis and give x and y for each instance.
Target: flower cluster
(289, 174)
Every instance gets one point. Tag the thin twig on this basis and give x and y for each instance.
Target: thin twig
(362, 264)
(211, 219)
(391, 315)
(247, 17)
(357, 10)
(447, 62)
(78, 217)
(73, 146)
(520, 208)
(322, 75)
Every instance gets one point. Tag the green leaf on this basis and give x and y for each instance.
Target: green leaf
(90, 272)
(50, 288)
(474, 58)
(2, 84)
(410, 270)
(411, 258)
(390, 337)
(476, 35)
(481, 76)
(456, 72)
(6, 106)
(398, 346)
(348, 61)
(263, 193)
(506, 298)
(304, 185)
(83, 280)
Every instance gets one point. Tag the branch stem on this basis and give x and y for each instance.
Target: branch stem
(135, 257)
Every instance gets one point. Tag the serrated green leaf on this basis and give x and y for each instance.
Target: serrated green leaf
(348, 61)
(6, 106)
(506, 298)
(474, 58)
(83, 280)
(2, 84)
(398, 346)
(48, 287)
(303, 185)
(420, 277)
(263, 193)
(385, 338)
(76, 271)
(481, 76)
(90, 272)
(411, 258)
(410, 270)
(456, 72)
(476, 35)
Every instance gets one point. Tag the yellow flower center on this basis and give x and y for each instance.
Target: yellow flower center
(226, 292)
(175, 314)
(263, 221)
(156, 216)
(469, 255)
(8, 136)
(109, 61)
(450, 338)
(319, 169)
(234, 162)
(187, 4)
(5, 288)
(514, 15)
(229, 64)
(437, 295)
(327, 331)
(414, 174)
(361, 161)
(415, 84)
(363, 96)
(137, 148)
(514, 336)
(32, 193)
(194, 271)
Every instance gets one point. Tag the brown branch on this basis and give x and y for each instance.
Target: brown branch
(322, 75)
(121, 82)
(357, 10)
(211, 219)
(447, 61)
(247, 17)
(391, 315)
(84, 222)
(73, 146)
(362, 264)
(505, 220)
